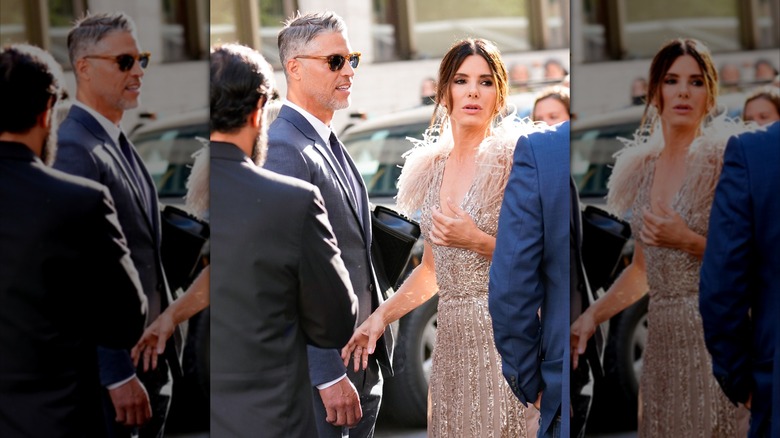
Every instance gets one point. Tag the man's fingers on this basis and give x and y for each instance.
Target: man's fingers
(358, 413)
(330, 415)
(120, 416)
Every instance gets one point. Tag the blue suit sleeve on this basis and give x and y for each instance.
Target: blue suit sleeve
(515, 287)
(325, 365)
(115, 365)
(724, 300)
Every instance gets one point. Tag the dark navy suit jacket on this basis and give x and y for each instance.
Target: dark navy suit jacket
(530, 270)
(740, 286)
(67, 285)
(295, 149)
(85, 149)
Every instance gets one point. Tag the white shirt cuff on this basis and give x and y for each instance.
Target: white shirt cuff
(331, 383)
(121, 382)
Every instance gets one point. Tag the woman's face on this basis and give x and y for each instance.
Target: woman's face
(551, 111)
(473, 93)
(761, 111)
(683, 94)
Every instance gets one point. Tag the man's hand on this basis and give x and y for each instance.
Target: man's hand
(342, 404)
(538, 402)
(131, 403)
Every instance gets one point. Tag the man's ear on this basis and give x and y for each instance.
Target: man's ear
(44, 119)
(293, 68)
(82, 69)
(255, 118)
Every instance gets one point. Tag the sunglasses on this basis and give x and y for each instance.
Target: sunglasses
(336, 62)
(126, 61)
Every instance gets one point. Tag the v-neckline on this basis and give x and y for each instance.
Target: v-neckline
(466, 195)
(677, 194)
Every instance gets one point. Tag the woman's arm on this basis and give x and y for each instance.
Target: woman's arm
(418, 288)
(630, 286)
(152, 342)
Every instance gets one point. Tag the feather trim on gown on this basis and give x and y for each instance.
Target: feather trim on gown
(494, 162)
(705, 160)
(197, 197)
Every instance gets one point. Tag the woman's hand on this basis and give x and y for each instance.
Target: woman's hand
(459, 231)
(669, 230)
(363, 342)
(582, 330)
(152, 342)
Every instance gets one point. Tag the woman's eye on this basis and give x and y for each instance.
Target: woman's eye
(670, 81)
(697, 83)
(487, 83)
(460, 81)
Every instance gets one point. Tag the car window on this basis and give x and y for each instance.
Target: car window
(167, 154)
(592, 153)
(378, 155)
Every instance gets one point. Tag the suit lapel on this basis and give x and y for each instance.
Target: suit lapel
(305, 128)
(94, 127)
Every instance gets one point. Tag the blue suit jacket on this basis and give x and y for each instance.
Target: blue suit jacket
(85, 149)
(739, 287)
(530, 270)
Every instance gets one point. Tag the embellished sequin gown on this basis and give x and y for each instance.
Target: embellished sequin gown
(468, 394)
(679, 396)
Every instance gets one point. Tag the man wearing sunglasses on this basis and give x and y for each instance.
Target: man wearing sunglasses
(109, 67)
(319, 65)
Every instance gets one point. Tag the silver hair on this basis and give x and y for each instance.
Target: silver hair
(300, 30)
(90, 29)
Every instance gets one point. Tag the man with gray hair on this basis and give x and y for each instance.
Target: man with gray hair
(109, 67)
(318, 65)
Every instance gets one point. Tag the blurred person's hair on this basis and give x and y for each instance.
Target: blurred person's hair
(765, 62)
(301, 29)
(555, 62)
(452, 61)
(30, 80)
(662, 62)
(556, 92)
(271, 110)
(768, 92)
(91, 29)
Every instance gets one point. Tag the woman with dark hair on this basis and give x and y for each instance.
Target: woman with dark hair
(552, 105)
(665, 179)
(762, 106)
(457, 180)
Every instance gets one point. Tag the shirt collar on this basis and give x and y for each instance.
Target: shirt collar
(322, 129)
(111, 129)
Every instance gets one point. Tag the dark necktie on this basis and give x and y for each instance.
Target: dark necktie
(335, 147)
(135, 172)
(338, 152)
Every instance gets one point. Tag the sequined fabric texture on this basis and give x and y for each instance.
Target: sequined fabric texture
(469, 396)
(679, 396)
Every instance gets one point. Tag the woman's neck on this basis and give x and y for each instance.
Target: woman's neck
(466, 140)
(678, 139)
